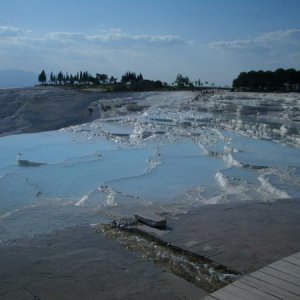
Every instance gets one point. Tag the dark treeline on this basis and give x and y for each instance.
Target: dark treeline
(279, 80)
(129, 81)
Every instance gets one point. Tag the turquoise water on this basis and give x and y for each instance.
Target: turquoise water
(75, 165)
(85, 172)
(175, 175)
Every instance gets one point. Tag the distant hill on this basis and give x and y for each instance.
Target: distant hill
(34, 109)
(17, 78)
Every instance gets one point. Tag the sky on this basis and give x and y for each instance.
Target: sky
(210, 40)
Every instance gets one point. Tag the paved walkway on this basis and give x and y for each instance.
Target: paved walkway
(279, 280)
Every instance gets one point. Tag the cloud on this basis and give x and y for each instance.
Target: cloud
(9, 31)
(291, 36)
(263, 42)
(105, 38)
(238, 45)
(65, 36)
(112, 50)
(115, 36)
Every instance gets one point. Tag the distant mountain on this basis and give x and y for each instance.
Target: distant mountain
(17, 78)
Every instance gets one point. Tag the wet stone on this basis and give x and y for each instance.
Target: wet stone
(124, 222)
(152, 220)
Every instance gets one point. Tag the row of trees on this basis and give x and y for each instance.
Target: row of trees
(184, 82)
(80, 78)
(279, 80)
(83, 78)
(129, 81)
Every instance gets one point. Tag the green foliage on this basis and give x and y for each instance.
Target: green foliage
(113, 80)
(129, 77)
(130, 81)
(279, 80)
(42, 77)
(52, 78)
(181, 81)
(60, 77)
(102, 78)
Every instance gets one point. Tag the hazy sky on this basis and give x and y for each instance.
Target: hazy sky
(210, 40)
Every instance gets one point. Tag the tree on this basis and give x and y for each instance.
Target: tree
(42, 77)
(60, 77)
(67, 78)
(129, 76)
(158, 84)
(130, 81)
(279, 80)
(86, 77)
(140, 77)
(182, 81)
(102, 78)
(113, 80)
(72, 80)
(52, 78)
